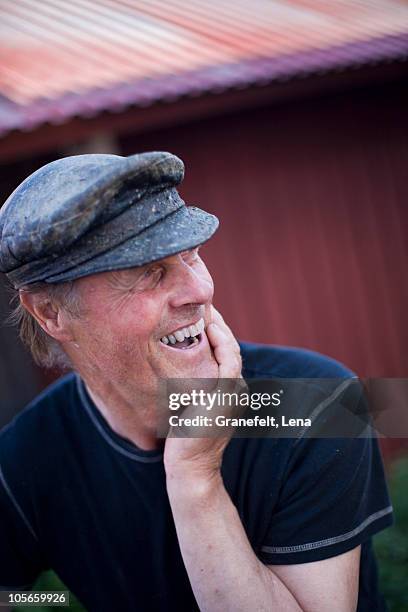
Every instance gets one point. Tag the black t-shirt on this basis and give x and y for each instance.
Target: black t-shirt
(80, 499)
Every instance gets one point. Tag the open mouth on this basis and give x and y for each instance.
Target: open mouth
(185, 338)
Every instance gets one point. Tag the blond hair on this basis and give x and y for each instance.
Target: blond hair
(45, 350)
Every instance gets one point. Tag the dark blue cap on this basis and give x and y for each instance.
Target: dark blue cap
(85, 214)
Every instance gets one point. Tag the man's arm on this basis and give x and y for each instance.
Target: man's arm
(226, 575)
(331, 584)
(224, 572)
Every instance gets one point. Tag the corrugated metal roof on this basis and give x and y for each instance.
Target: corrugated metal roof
(59, 59)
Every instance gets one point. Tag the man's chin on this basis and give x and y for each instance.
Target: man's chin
(206, 368)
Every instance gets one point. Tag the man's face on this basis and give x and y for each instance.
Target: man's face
(131, 317)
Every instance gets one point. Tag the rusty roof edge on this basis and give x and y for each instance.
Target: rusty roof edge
(212, 79)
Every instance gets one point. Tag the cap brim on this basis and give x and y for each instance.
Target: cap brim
(184, 229)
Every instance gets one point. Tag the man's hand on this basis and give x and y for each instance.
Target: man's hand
(223, 570)
(225, 347)
(198, 460)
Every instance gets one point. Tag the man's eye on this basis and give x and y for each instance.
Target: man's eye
(191, 255)
(153, 273)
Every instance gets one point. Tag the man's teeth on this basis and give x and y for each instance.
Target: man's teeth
(187, 332)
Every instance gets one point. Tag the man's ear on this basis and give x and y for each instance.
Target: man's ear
(49, 316)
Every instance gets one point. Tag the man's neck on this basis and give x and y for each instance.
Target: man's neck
(138, 426)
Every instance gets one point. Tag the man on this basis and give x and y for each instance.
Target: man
(104, 254)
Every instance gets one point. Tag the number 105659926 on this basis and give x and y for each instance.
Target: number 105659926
(34, 598)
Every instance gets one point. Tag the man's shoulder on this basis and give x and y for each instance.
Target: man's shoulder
(275, 361)
(35, 451)
(41, 420)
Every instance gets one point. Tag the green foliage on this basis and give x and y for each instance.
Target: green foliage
(48, 581)
(391, 545)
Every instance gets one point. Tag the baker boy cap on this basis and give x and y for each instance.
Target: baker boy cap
(92, 213)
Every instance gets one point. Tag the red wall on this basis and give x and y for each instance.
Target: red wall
(312, 248)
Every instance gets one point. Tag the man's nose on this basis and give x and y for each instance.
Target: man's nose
(191, 286)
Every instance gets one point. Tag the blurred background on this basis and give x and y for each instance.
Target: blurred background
(291, 118)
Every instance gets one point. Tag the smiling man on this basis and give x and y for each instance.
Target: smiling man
(103, 255)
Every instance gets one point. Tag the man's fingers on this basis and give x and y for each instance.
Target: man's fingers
(226, 352)
(216, 316)
(225, 347)
(218, 320)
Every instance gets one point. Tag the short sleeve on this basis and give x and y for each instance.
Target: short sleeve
(20, 559)
(334, 497)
